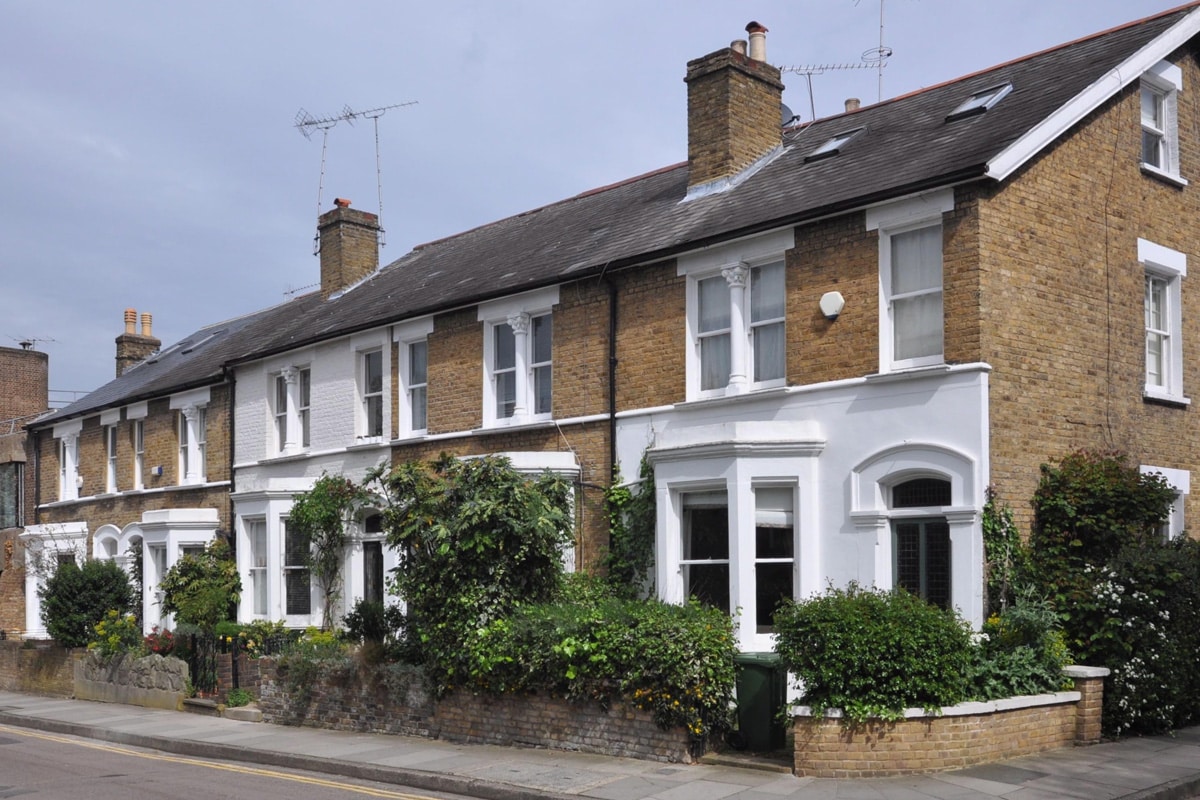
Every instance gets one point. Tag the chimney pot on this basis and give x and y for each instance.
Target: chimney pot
(738, 46)
(341, 202)
(758, 41)
(130, 320)
(146, 320)
(852, 104)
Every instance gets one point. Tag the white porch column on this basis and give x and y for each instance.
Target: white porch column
(966, 565)
(520, 327)
(736, 276)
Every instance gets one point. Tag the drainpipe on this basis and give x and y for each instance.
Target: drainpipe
(37, 476)
(229, 377)
(612, 377)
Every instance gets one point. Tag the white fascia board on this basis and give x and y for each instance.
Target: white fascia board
(1131, 69)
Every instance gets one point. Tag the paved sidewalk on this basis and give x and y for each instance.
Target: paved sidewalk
(1154, 768)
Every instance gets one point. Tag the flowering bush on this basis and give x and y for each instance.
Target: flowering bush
(162, 642)
(116, 633)
(1021, 650)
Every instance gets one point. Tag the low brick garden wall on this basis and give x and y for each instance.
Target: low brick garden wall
(37, 667)
(962, 735)
(394, 699)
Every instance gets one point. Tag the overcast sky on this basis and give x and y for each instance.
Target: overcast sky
(149, 159)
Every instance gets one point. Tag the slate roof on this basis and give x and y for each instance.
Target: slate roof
(908, 145)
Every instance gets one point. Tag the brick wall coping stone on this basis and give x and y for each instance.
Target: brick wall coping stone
(966, 709)
(1077, 671)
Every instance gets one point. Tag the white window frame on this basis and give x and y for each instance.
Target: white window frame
(736, 263)
(1181, 481)
(517, 312)
(891, 219)
(110, 465)
(290, 408)
(139, 454)
(190, 426)
(69, 480)
(1164, 81)
(366, 396)
(258, 577)
(1169, 266)
(406, 335)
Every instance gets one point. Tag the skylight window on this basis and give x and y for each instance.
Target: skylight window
(833, 146)
(980, 102)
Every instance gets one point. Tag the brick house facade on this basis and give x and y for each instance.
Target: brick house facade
(827, 340)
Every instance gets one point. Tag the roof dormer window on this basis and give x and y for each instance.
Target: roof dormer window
(980, 102)
(833, 146)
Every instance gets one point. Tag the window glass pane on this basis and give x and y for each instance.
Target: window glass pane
(373, 372)
(714, 362)
(418, 363)
(921, 492)
(373, 572)
(418, 408)
(908, 556)
(505, 356)
(1156, 290)
(1152, 148)
(768, 352)
(918, 322)
(772, 586)
(299, 594)
(280, 395)
(375, 416)
(305, 387)
(295, 549)
(937, 563)
(714, 304)
(774, 541)
(506, 394)
(707, 534)
(708, 583)
(542, 382)
(541, 339)
(767, 296)
(917, 260)
(1152, 107)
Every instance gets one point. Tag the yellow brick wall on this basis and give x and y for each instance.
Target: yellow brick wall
(1062, 292)
(651, 336)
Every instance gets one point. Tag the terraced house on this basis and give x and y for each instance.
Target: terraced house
(826, 339)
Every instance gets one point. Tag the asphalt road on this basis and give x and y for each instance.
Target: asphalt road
(55, 767)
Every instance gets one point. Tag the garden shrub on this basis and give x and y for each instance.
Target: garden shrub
(1130, 601)
(238, 698)
(200, 588)
(116, 634)
(474, 539)
(1021, 650)
(873, 653)
(316, 655)
(674, 661)
(632, 517)
(161, 642)
(75, 598)
(379, 630)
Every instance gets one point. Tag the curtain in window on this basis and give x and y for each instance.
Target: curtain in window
(1156, 331)
(917, 293)
(767, 300)
(542, 368)
(714, 332)
(504, 368)
(418, 370)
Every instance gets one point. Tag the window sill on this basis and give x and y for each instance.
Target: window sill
(411, 437)
(908, 372)
(367, 443)
(500, 427)
(1164, 399)
(284, 458)
(1166, 177)
(722, 399)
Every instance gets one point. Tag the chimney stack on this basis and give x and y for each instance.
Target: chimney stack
(733, 109)
(134, 347)
(349, 246)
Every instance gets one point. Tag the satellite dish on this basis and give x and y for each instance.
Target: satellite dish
(786, 117)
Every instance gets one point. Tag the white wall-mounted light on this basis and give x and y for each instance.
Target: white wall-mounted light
(832, 304)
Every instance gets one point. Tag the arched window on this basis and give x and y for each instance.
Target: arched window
(920, 543)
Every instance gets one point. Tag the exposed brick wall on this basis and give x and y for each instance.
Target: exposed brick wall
(651, 337)
(826, 748)
(161, 440)
(24, 386)
(394, 699)
(45, 668)
(733, 114)
(1061, 303)
(12, 583)
(455, 372)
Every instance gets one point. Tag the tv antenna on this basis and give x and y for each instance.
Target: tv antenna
(29, 342)
(306, 123)
(875, 58)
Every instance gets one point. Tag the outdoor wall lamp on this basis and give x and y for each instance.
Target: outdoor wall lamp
(832, 304)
